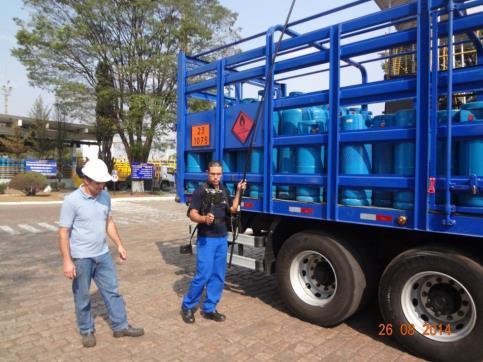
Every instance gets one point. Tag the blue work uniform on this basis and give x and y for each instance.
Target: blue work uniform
(86, 218)
(211, 251)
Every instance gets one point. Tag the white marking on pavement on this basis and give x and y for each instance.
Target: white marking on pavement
(48, 226)
(28, 228)
(8, 229)
(114, 200)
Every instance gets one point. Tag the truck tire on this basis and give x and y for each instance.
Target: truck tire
(423, 291)
(320, 278)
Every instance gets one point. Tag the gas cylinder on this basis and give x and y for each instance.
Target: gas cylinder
(470, 157)
(355, 160)
(404, 159)
(382, 159)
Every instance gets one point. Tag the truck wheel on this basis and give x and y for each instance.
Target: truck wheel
(434, 301)
(320, 279)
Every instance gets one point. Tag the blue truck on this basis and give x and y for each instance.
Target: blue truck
(345, 201)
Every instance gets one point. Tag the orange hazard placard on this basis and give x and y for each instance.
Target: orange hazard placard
(242, 127)
(200, 135)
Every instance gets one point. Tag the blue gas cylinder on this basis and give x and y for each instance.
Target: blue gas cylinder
(248, 100)
(229, 161)
(276, 128)
(367, 115)
(470, 157)
(288, 126)
(355, 160)
(193, 164)
(382, 159)
(256, 162)
(441, 152)
(309, 159)
(241, 159)
(404, 159)
(229, 165)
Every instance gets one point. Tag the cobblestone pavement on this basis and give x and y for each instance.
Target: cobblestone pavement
(37, 320)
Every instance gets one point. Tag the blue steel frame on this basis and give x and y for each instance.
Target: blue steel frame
(424, 87)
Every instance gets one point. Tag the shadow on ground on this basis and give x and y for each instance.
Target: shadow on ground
(247, 282)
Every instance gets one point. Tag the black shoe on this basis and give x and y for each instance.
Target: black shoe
(130, 331)
(88, 340)
(188, 315)
(214, 316)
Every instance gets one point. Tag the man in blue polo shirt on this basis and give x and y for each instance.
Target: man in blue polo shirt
(84, 219)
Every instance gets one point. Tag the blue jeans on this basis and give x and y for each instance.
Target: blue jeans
(210, 273)
(101, 269)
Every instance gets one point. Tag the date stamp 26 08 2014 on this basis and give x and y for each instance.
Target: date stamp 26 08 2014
(408, 329)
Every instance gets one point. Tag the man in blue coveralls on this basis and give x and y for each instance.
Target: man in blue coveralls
(84, 220)
(210, 207)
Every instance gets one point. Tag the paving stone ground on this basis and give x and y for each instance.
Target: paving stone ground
(37, 320)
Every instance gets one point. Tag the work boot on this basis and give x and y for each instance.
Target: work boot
(188, 315)
(130, 331)
(88, 340)
(214, 316)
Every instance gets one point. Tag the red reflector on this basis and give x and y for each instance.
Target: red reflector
(386, 218)
(432, 183)
(307, 210)
(471, 117)
(247, 205)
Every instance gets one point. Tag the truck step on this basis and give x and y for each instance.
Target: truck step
(246, 262)
(248, 240)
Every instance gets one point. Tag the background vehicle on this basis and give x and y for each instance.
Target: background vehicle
(166, 177)
(345, 202)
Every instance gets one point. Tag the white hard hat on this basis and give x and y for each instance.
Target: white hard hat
(96, 170)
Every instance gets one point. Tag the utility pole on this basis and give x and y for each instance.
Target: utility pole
(6, 91)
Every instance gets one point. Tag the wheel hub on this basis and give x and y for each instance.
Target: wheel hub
(444, 299)
(323, 274)
(436, 299)
(313, 278)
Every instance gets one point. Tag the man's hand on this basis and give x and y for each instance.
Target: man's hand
(210, 218)
(69, 269)
(122, 253)
(242, 185)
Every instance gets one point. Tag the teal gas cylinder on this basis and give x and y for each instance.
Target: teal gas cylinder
(276, 128)
(310, 159)
(404, 159)
(194, 163)
(288, 126)
(382, 159)
(441, 152)
(471, 154)
(229, 165)
(355, 160)
(256, 162)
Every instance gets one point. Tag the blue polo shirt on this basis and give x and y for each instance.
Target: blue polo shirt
(86, 216)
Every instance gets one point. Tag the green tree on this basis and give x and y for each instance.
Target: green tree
(105, 112)
(15, 144)
(64, 41)
(41, 143)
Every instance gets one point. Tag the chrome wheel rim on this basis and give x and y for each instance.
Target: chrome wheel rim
(313, 278)
(438, 306)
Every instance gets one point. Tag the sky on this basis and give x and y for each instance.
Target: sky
(254, 16)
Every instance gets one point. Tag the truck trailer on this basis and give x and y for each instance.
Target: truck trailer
(348, 202)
